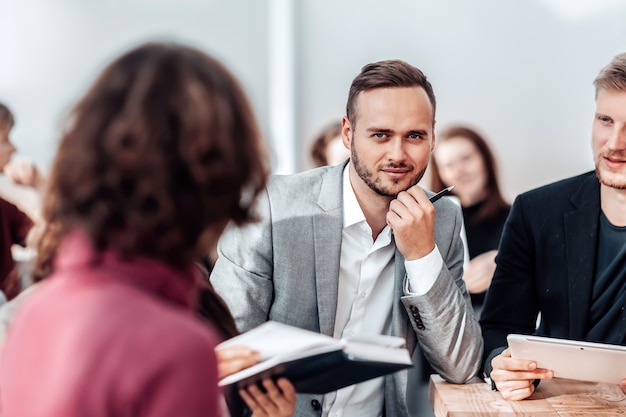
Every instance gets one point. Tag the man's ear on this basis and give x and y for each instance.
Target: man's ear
(434, 139)
(346, 132)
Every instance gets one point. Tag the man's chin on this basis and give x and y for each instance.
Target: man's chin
(612, 179)
(392, 190)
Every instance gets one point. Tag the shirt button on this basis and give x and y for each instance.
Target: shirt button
(316, 405)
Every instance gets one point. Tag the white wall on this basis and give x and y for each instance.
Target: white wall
(51, 51)
(519, 71)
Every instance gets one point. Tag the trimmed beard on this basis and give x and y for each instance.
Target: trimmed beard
(610, 184)
(620, 182)
(367, 176)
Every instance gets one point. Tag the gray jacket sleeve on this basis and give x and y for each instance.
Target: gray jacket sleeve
(242, 274)
(443, 319)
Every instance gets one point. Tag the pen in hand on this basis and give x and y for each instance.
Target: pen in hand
(441, 193)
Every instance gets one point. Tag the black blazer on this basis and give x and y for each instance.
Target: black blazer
(546, 263)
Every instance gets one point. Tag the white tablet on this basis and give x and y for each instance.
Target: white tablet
(570, 359)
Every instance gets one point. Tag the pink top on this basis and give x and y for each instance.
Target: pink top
(109, 337)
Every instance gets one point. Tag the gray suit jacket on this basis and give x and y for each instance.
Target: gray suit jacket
(285, 268)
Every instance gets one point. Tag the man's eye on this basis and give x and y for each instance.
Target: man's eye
(379, 135)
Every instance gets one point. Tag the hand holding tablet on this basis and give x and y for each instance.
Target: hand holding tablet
(585, 361)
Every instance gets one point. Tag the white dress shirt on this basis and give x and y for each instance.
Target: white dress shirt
(365, 297)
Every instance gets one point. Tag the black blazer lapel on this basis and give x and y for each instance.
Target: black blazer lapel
(581, 240)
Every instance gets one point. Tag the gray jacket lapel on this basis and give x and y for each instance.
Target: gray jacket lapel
(327, 229)
(400, 325)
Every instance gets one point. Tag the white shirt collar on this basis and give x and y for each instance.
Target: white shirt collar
(352, 213)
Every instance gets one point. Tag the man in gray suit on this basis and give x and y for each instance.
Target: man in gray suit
(358, 248)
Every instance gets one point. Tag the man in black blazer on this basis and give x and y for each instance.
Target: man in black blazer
(562, 255)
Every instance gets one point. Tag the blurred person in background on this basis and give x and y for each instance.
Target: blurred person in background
(158, 156)
(7, 149)
(464, 159)
(328, 147)
(15, 225)
(22, 181)
(25, 172)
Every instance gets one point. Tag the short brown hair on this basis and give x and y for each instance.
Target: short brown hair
(162, 147)
(384, 74)
(613, 75)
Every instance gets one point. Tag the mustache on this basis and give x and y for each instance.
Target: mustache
(397, 166)
(620, 155)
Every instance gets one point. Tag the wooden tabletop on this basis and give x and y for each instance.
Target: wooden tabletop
(557, 397)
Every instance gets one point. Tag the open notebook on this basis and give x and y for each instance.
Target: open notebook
(316, 363)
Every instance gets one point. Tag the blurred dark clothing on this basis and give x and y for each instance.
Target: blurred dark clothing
(14, 227)
(212, 308)
(482, 236)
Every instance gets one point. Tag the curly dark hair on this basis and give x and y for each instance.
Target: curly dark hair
(163, 147)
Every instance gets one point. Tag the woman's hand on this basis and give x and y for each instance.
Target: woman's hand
(24, 172)
(279, 399)
(234, 358)
(479, 271)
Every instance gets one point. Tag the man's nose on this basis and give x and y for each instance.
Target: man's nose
(617, 139)
(396, 151)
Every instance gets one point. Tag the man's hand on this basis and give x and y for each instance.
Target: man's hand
(411, 216)
(478, 273)
(623, 385)
(514, 377)
(278, 400)
(24, 172)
